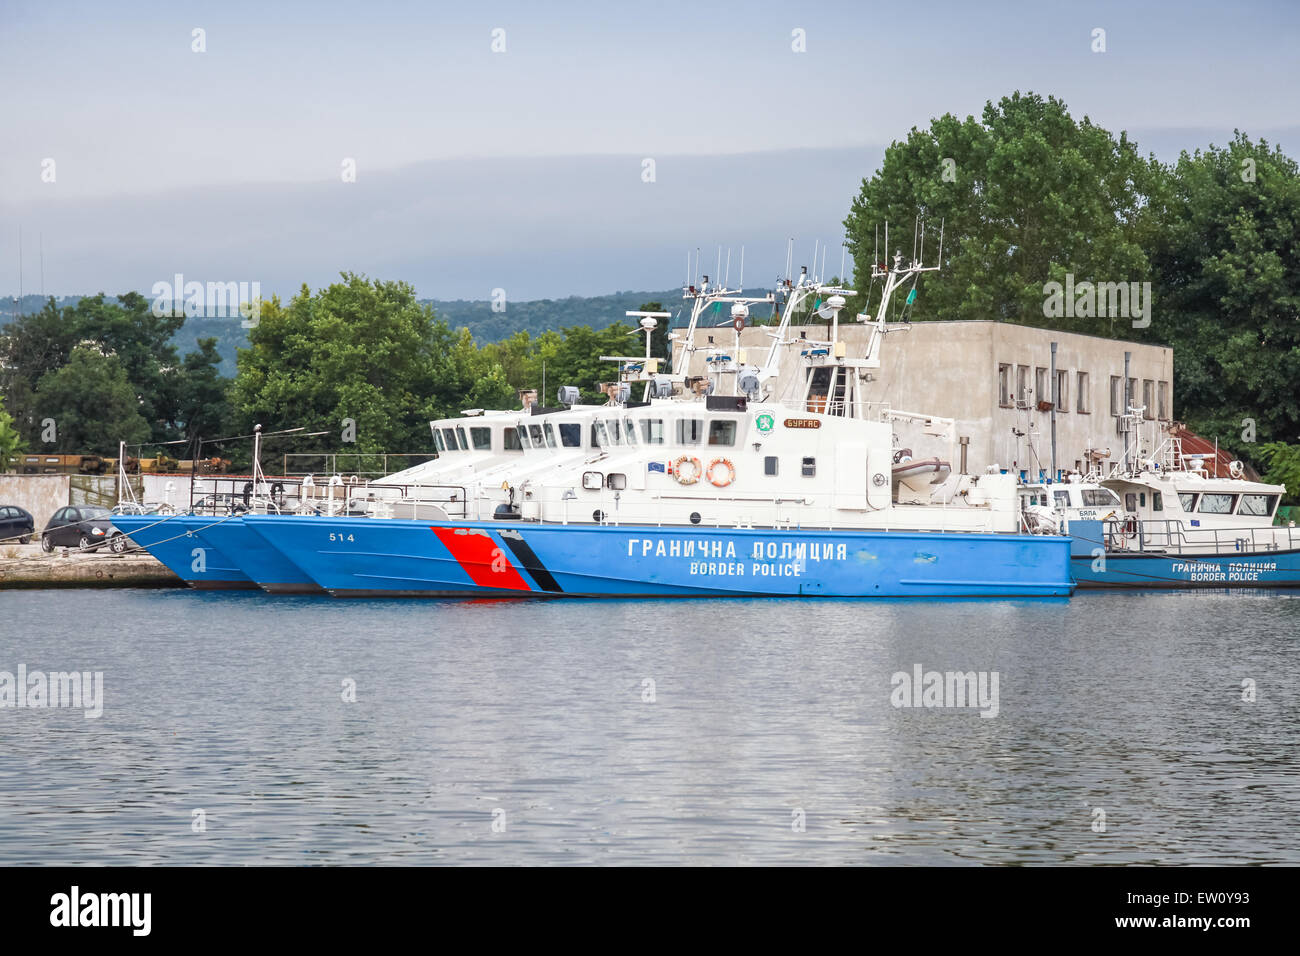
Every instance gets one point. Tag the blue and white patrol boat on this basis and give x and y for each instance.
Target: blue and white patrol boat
(689, 492)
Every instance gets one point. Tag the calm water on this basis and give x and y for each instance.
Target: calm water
(232, 703)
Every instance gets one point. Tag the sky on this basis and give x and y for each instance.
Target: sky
(503, 145)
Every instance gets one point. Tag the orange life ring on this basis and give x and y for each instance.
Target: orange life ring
(731, 472)
(694, 476)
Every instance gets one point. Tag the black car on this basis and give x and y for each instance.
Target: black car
(16, 524)
(87, 527)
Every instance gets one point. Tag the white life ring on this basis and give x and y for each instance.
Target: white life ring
(696, 470)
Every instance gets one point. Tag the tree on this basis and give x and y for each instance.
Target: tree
(11, 442)
(203, 401)
(360, 358)
(92, 403)
(1026, 195)
(1229, 286)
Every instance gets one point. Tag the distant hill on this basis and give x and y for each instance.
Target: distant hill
(533, 317)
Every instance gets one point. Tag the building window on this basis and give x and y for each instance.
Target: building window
(1081, 395)
(1116, 395)
(1062, 390)
(1004, 384)
(1132, 395)
(1162, 402)
(1148, 399)
(1042, 388)
(1022, 383)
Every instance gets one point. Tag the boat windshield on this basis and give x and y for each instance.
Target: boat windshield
(1099, 498)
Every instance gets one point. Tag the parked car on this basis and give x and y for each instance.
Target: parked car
(87, 527)
(16, 523)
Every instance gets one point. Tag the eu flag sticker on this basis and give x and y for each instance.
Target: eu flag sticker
(656, 466)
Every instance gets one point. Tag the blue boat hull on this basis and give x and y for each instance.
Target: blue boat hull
(359, 557)
(174, 541)
(265, 566)
(1094, 567)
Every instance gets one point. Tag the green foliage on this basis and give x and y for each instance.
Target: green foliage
(1033, 195)
(1229, 292)
(361, 351)
(1282, 467)
(11, 443)
(93, 404)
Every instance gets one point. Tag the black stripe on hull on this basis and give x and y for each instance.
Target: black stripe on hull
(532, 564)
(222, 585)
(297, 587)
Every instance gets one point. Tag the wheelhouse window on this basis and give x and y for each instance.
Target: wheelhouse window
(482, 438)
(722, 432)
(1062, 498)
(464, 441)
(524, 443)
(690, 431)
(1187, 500)
(535, 436)
(629, 431)
(549, 432)
(450, 435)
(510, 440)
(615, 431)
(1099, 498)
(600, 436)
(652, 431)
(1216, 504)
(438, 443)
(570, 434)
(1259, 506)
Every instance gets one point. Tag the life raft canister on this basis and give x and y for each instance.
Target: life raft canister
(691, 477)
(731, 472)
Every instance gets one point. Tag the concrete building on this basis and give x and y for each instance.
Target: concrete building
(994, 380)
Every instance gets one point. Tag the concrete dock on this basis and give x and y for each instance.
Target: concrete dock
(27, 566)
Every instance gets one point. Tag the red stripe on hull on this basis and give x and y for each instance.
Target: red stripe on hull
(487, 565)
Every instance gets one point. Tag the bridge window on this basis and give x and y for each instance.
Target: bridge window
(629, 431)
(524, 443)
(510, 440)
(690, 431)
(722, 432)
(1062, 498)
(464, 442)
(549, 432)
(1099, 498)
(482, 438)
(652, 431)
(1187, 501)
(1217, 504)
(535, 434)
(571, 435)
(437, 440)
(450, 435)
(1260, 506)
